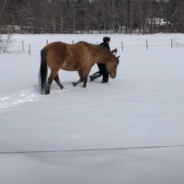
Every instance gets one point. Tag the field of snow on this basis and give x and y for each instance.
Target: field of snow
(142, 107)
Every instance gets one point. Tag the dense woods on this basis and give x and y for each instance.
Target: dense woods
(91, 16)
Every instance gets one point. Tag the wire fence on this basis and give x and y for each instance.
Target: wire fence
(124, 45)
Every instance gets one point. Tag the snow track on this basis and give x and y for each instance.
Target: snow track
(18, 98)
(26, 96)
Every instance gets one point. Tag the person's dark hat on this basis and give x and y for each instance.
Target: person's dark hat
(106, 39)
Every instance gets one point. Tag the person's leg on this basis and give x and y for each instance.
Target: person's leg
(105, 74)
(105, 78)
(96, 74)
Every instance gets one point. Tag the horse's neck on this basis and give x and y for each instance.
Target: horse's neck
(103, 56)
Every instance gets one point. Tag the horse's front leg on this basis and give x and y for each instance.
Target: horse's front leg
(85, 77)
(85, 81)
(80, 80)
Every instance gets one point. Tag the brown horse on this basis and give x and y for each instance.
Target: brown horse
(78, 57)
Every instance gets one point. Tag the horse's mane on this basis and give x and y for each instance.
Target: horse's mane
(97, 47)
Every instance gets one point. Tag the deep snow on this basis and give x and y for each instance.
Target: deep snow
(143, 106)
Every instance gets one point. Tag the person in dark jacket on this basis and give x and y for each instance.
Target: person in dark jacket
(102, 67)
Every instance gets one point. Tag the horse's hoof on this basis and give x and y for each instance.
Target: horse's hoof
(47, 92)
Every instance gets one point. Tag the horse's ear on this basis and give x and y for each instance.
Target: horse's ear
(118, 59)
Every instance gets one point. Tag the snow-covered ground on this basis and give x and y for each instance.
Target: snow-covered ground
(142, 107)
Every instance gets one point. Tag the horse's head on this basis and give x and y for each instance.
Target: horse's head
(112, 66)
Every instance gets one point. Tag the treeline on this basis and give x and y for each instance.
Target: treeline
(90, 16)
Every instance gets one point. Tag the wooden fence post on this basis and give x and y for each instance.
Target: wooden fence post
(72, 42)
(47, 42)
(29, 49)
(23, 46)
(146, 44)
(122, 45)
(171, 42)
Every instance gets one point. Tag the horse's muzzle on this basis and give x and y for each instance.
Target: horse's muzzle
(113, 76)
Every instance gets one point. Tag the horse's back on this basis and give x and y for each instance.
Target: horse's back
(55, 46)
(70, 57)
(63, 55)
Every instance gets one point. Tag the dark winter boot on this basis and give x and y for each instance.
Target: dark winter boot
(94, 76)
(105, 80)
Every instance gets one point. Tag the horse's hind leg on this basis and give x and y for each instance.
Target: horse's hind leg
(58, 82)
(80, 80)
(50, 79)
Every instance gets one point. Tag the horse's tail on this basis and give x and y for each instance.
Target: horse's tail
(43, 70)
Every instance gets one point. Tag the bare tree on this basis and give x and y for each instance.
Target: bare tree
(2, 7)
(109, 16)
(5, 43)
